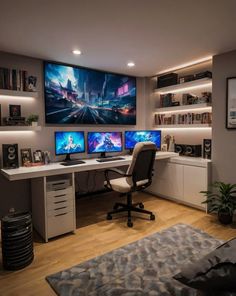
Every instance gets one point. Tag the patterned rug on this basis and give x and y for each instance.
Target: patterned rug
(142, 268)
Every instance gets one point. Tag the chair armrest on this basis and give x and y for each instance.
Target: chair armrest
(114, 170)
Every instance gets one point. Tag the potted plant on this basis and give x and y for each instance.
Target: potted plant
(33, 119)
(222, 200)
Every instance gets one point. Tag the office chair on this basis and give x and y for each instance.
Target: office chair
(137, 177)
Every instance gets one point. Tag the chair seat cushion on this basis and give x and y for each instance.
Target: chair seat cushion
(121, 185)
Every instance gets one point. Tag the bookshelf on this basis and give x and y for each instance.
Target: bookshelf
(184, 108)
(18, 93)
(15, 128)
(183, 126)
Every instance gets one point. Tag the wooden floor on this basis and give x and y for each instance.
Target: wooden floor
(95, 236)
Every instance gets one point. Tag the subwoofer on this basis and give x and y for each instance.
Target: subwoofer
(207, 148)
(10, 156)
(189, 150)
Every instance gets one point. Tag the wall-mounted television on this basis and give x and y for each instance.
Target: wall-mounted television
(102, 142)
(76, 95)
(134, 137)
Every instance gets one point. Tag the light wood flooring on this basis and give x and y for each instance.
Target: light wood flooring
(95, 236)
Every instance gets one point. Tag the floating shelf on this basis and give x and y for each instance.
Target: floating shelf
(203, 125)
(184, 108)
(19, 128)
(182, 87)
(17, 93)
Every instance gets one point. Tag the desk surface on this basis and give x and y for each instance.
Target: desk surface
(58, 169)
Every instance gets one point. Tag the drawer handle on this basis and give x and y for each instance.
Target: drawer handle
(58, 202)
(59, 189)
(60, 214)
(60, 208)
(59, 183)
(60, 195)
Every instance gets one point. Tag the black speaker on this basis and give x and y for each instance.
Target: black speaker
(189, 150)
(10, 156)
(207, 148)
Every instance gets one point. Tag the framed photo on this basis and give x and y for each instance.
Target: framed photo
(26, 156)
(38, 156)
(15, 110)
(231, 103)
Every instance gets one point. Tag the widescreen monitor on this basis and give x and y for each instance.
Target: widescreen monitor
(76, 95)
(69, 142)
(102, 142)
(134, 137)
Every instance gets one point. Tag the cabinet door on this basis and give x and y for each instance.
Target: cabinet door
(168, 180)
(195, 180)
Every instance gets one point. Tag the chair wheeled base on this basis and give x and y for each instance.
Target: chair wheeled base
(129, 207)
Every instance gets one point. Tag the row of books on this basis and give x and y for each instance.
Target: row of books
(13, 79)
(187, 118)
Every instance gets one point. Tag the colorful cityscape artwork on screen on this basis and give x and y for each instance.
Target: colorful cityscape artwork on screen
(84, 96)
(133, 137)
(104, 142)
(69, 142)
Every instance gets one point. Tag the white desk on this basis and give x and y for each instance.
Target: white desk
(53, 191)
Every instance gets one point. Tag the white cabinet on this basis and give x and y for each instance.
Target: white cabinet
(53, 205)
(181, 179)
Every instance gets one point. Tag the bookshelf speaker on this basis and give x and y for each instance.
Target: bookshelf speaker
(207, 148)
(10, 156)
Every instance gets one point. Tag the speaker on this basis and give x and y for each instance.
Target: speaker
(189, 150)
(10, 156)
(207, 148)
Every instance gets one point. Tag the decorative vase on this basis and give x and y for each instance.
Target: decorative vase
(34, 123)
(225, 218)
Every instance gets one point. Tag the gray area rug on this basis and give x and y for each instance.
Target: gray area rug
(142, 268)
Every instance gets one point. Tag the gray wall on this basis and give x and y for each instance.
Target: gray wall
(17, 194)
(224, 141)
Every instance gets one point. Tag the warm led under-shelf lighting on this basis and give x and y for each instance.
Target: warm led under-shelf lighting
(15, 133)
(185, 128)
(17, 98)
(207, 108)
(77, 52)
(186, 88)
(185, 65)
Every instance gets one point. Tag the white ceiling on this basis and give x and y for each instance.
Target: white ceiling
(156, 34)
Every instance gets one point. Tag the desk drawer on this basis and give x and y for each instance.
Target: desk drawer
(61, 224)
(60, 193)
(54, 205)
(60, 210)
(57, 185)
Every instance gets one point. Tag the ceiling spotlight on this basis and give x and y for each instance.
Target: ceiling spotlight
(130, 64)
(76, 52)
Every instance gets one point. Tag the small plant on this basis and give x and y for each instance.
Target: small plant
(222, 200)
(32, 118)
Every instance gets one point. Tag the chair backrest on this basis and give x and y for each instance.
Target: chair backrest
(142, 162)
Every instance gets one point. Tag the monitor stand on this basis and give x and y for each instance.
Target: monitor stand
(68, 159)
(103, 155)
(131, 151)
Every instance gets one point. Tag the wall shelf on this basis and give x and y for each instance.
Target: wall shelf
(184, 108)
(183, 125)
(6, 128)
(17, 93)
(182, 87)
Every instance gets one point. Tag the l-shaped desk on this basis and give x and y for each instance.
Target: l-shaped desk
(53, 187)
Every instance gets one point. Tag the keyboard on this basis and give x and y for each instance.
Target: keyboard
(72, 162)
(109, 159)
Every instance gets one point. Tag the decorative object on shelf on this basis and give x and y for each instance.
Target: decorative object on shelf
(231, 103)
(189, 150)
(167, 80)
(186, 118)
(189, 99)
(26, 157)
(46, 157)
(207, 148)
(166, 100)
(33, 119)
(38, 156)
(186, 78)
(221, 200)
(32, 82)
(172, 144)
(15, 111)
(10, 156)
(164, 147)
(14, 121)
(204, 74)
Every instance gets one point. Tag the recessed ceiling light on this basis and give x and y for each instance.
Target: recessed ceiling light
(130, 64)
(76, 52)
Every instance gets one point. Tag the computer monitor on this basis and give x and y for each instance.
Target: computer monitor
(134, 137)
(69, 142)
(102, 142)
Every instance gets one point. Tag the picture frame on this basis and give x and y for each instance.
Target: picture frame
(15, 110)
(231, 103)
(26, 156)
(38, 156)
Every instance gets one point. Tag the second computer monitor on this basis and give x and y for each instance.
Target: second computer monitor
(102, 142)
(134, 137)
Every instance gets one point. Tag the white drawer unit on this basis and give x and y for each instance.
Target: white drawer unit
(181, 179)
(53, 203)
